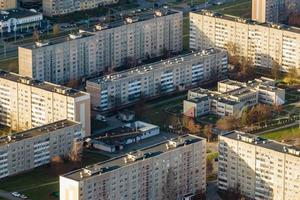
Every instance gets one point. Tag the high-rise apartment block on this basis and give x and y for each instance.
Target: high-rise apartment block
(35, 147)
(59, 7)
(26, 103)
(141, 36)
(170, 75)
(8, 4)
(258, 168)
(273, 10)
(263, 43)
(178, 165)
(232, 97)
(267, 10)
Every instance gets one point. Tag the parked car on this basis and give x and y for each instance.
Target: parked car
(16, 194)
(23, 196)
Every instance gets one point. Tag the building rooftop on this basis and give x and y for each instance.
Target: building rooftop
(132, 17)
(125, 160)
(261, 142)
(249, 21)
(148, 68)
(118, 20)
(16, 137)
(17, 13)
(121, 134)
(41, 85)
(53, 41)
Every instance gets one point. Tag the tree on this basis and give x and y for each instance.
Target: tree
(209, 167)
(169, 186)
(75, 153)
(190, 124)
(36, 35)
(56, 29)
(291, 75)
(228, 123)
(275, 71)
(208, 132)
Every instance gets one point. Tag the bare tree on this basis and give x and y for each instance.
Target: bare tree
(36, 35)
(56, 29)
(208, 132)
(275, 70)
(228, 123)
(199, 195)
(75, 153)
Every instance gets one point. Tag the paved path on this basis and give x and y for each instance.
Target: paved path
(278, 128)
(7, 195)
(211, 191)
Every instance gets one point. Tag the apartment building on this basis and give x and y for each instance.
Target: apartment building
(267, 10)
(26, 150)
(8, 4)
(155, 79)
(273, 10)
(26, 103)
(58, 7)
(263, 43)
(134, 37)
(232, 97)
(179, 164)
(260, 168)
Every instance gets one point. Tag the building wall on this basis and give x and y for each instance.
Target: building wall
(260, 172)
(165, 77)
(24, 106)
(134, 181)
(263, 44)
(58, 7)
(8, 4)
(38, 150)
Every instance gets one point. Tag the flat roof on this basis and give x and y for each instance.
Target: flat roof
(119, 135)
(261, 142)
(119, 162)
(282, 27)
(148, 68)
(16, 137)
(135, 16)
(41, 84)
(17, 13)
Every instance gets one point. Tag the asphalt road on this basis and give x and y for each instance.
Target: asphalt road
(211, 191)
(8, 196)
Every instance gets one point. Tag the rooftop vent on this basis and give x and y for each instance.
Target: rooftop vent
(75, 36)
(41, 44)
(100, 27)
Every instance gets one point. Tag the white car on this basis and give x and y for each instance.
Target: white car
(16, 194)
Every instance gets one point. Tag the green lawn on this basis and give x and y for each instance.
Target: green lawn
(37, 184)
(154, 111)
(238, 8)
(284, 134)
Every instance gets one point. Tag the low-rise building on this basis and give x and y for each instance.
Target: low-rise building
(258, 168)
(155, 79)
(26, 103)
(35, 147)
(121, 41)
(179, 164)
(232, 97)
(19, 20)
(116, 139)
